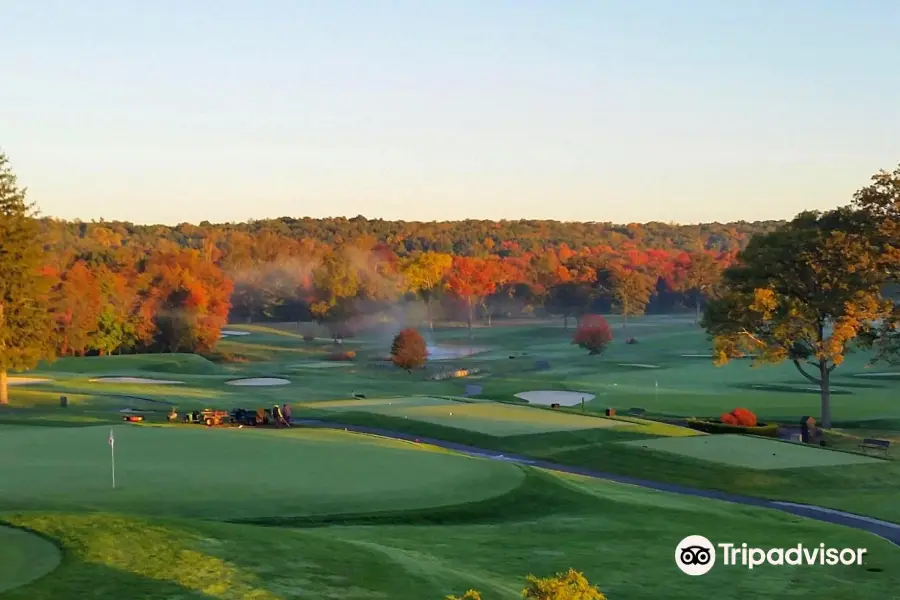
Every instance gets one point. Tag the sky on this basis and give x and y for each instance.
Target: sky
(687, 111)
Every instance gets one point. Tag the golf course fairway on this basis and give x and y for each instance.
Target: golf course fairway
(235, 473)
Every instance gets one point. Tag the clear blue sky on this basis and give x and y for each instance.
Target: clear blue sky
(191, 110)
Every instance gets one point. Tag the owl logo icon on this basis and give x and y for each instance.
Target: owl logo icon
(695, 555)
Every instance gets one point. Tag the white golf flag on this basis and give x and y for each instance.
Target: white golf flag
(112, 439)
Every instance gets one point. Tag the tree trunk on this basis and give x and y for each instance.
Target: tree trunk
(825, 390)
(428, 312)
(470, 315)
(697, 318)
(4, 387)
(566, 322)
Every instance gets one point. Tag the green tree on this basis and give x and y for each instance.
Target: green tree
(697, 279)
(25, 323)
(631, 291)
(805, 293)
(878, 217)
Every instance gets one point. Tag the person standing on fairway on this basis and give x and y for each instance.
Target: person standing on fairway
(286, 413)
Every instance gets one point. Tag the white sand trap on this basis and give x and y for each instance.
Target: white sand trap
(450, 352)
(697, 355)
(894, 374)
(141, 380)
(548, 397)
(260, 381)
(639, 365)
(227, 332)
(26, 380)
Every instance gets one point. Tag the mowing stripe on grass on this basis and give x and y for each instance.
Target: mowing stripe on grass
(751, 452)
(24, 557)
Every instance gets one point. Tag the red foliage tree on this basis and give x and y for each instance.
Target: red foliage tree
(593, 334)
(408, 351)
(470, 279)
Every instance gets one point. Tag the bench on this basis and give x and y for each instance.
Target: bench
(873, 444)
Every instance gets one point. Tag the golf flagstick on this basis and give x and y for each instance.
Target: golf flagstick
(112, 451)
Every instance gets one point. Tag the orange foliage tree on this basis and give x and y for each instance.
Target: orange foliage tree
(190, 298)
(408, 351)
(470, 279)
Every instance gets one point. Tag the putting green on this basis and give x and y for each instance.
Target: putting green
(233, 473)
(24, 557)
(496, 419)
(752, 452)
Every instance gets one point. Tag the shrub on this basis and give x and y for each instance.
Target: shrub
(729, 419)
(593, 334)
(408, 350)
(740, 416)
(571, 585)
(763, 429)
(348, 355)
(562, 586)
(308, 337)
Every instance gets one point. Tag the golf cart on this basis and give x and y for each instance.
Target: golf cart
(208, 417)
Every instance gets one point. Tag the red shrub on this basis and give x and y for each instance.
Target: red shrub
(729, 419)
(349, 355)
(745, 417)
(740, 416)
(593, 334)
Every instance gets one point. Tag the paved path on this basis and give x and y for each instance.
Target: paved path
(885, 529)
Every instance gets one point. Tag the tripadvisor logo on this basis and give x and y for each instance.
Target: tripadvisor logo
(696, 555)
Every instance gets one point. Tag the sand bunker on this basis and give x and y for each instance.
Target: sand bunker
(697, 355)
(141, 380)
(259, 381)
(548, 397)
(227, 332)
(639, 365)
(26, 380)
(449, 352)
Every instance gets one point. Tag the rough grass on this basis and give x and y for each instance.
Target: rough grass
(754, 452)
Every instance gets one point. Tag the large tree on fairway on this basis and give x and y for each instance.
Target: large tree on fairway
(805, 293)
(408, 350)
(25, 326)
(878, 217)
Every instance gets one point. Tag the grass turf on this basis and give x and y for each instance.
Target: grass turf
(489, 418)
(374, 549)
(24, 557)
(231, 473)
(555, 521)
(754, 452)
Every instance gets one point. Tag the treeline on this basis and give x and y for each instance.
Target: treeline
(119, 287)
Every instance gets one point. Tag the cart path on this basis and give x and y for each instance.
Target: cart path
(885, 529)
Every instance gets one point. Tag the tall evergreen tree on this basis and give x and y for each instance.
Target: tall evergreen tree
(25, 324)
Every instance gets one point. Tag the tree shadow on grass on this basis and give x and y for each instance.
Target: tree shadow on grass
(87, 581)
